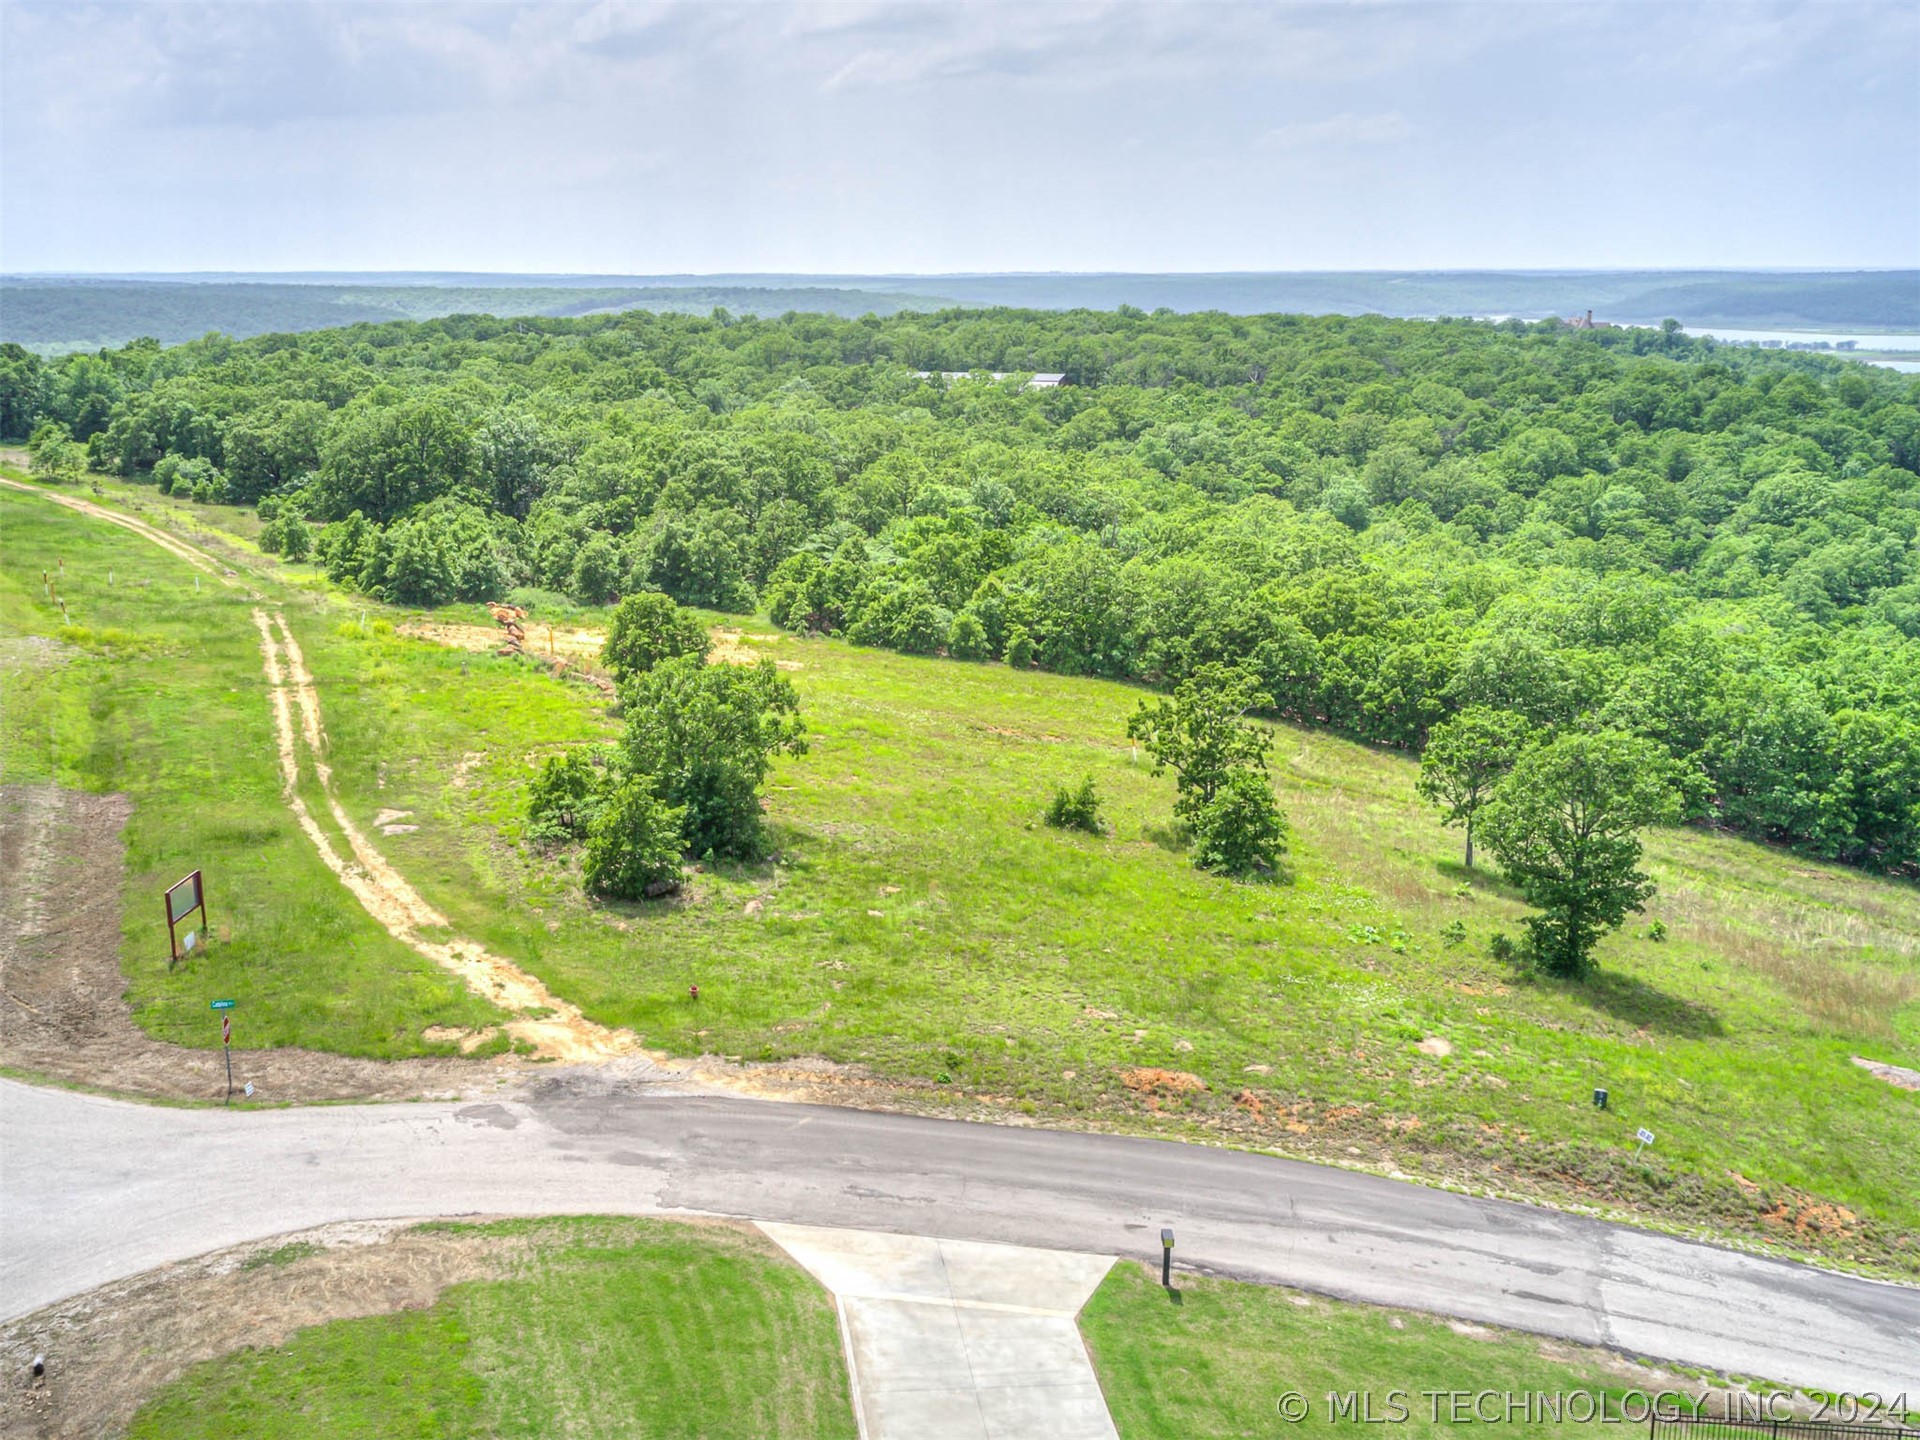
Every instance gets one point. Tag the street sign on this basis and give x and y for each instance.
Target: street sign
(225, 1007)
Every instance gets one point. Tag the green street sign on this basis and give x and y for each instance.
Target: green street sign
(220, 1004)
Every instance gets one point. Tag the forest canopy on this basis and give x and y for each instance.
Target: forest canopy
(1383, 522)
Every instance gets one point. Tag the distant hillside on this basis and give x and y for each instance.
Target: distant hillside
(1815, 300)
(56, 316)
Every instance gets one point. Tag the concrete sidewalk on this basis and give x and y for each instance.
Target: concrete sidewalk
(956, 1340)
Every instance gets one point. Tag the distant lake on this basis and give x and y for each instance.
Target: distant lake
(1789, 337)
(1785, 339)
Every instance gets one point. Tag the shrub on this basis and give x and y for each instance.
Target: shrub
(53, 453)
(1241, 830)
(1019, 648)
(967, 640)
(1076, 808)
(287, 537)
(563, 799)
(633, 845)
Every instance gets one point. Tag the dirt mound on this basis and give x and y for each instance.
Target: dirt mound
(1147, 1080)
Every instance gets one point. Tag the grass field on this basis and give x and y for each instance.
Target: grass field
(648, 1329)
(919, 921)
(1228, 1357)
(152, 685)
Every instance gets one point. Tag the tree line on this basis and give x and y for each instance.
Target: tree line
(1386, 526)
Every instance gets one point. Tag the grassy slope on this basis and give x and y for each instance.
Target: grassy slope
(631, 1328)
(651, 1328)
(163, 698)
(921, 921)
(1220, 1362)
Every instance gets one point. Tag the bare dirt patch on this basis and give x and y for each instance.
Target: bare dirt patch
(63, 1009)
(1148, 1080)
(734, 647)
(1893, 1074)
(22, 653)
(543, 640)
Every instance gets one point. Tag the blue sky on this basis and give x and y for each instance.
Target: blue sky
(929, 137)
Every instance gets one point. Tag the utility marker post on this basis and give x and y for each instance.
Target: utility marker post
(226, 1040)
(1166, 1259)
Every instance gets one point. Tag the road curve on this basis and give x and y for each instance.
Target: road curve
(93, 1189)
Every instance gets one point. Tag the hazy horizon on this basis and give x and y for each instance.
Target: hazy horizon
(880, 139)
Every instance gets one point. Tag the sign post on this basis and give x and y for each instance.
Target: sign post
(226, 1038)
(1645, 1137)
(182, 900)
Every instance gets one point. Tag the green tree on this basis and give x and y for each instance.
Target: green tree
(1240, 831)
(385, 459)
(1565, 826)
(1465, 758)
(648, 628)
(1201, 734)
(707, 735)
(53, 454)
(633, 845)
(596, 570)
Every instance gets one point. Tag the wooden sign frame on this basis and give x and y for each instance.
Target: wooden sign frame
(178, 909)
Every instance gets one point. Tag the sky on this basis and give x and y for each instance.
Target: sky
(938, 137)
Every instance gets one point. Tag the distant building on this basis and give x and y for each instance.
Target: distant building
(1587, 322)
(1041, 380)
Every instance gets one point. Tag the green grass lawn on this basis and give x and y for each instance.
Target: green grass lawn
(654, 1330)
(921, 921)
(1238, 1360)
(157, 691)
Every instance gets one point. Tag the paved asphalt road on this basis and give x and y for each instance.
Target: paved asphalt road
(92, 1190)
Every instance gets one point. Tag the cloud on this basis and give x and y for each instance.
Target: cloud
(656, 136)
(1339, 131)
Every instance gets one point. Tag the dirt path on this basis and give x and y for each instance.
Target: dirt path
(555, 1028)
(79, 835)
(171, 544)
